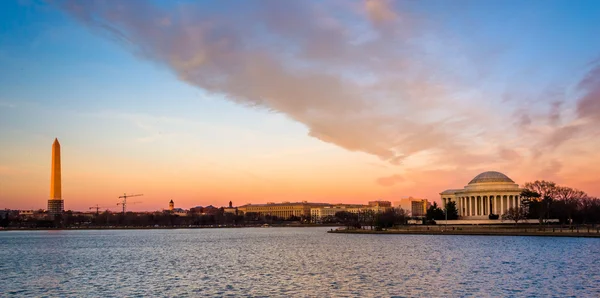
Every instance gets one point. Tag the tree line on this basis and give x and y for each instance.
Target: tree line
(392, 217)
(71, 219)
(546, 200)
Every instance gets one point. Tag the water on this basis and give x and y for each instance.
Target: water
(293, 262)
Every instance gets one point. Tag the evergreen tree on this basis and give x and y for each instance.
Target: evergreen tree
(435, 213)
(451, 210)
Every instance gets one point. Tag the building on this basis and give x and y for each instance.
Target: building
(380, 204)
(318, 214)
(55, 203)
(488, 193)
(416, 206)
(26, 213)
(179, 212)
(282, 210)
(230, 209)
(197, 210)
(176, 211)
(404, 203)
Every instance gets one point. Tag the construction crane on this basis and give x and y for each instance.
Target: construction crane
(97, 209)
(124, 202)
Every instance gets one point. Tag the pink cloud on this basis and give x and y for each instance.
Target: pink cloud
(365, 85)
(390, 180)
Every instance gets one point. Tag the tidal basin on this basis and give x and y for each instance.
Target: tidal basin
(285, 262)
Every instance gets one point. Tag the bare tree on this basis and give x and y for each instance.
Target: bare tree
(547, 192)
(401, 216)
(515, 214)
(590, 209)
(543, 188)
(367, 218)
(572, 199)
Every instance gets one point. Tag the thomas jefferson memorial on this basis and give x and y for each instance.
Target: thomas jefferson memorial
(489, 192)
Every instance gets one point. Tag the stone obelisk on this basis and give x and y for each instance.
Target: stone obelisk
(55, 203)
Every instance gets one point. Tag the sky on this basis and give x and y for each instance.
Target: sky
(206, 102)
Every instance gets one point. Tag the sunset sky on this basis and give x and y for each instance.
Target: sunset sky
(204, 102)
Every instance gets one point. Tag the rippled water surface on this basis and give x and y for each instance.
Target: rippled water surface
(293, 262)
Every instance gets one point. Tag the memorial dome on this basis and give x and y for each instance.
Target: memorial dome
(491, 176)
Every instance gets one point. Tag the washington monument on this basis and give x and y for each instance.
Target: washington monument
(55, 203)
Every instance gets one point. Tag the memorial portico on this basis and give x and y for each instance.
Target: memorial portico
(488, 193)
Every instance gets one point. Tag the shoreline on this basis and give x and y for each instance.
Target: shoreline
(165, 227)
(593, 233)
(417, 230)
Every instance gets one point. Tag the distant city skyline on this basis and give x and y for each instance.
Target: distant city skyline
(339, 102)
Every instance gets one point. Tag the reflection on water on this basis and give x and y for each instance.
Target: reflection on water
(293, 262)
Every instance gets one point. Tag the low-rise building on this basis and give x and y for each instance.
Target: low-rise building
(208, 210)
(179, 212)
(380, 204)
(230, 209)
(26, 213)
(318, 214)
(282, 210)
(87, 214)
(197, 210)
(32, 213)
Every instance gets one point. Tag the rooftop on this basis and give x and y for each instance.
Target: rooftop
(287, 204)
(491, 176)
